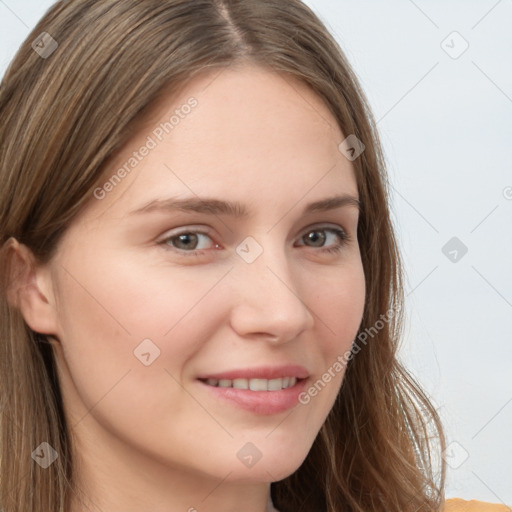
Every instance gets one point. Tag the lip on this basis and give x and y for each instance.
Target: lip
(258, 402)
(261, 372)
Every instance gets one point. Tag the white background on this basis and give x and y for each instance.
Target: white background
(446, 127)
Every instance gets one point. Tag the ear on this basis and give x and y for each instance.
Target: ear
(30, 288)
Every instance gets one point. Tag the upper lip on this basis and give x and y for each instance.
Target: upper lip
(261, 372)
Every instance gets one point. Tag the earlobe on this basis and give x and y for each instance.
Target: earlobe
(29, 288)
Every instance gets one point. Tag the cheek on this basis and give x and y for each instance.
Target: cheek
(340, 308)
(339, 313)
(127, 303)
(121, 319)
(126, 340)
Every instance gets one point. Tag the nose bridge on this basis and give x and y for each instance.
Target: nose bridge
(268, 298)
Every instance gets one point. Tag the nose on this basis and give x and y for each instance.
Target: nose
(269, 299)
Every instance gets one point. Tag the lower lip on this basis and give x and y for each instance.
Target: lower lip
(260, 402)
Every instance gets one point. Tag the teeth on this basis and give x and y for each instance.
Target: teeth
(274, 384)
(241, 383)
(254, 384)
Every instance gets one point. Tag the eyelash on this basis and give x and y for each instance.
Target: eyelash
(342, 235)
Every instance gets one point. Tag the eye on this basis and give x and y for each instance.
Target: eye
(317, 236)
(187, 242)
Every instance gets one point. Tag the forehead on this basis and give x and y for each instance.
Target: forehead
(234, 131)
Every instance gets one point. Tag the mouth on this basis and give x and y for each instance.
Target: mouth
(258, 396)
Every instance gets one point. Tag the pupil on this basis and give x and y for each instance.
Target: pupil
(313, 236)
(183, 237)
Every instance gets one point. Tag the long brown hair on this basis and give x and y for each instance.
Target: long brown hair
(64, 115)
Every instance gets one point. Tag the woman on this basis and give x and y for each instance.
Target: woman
(171, 340)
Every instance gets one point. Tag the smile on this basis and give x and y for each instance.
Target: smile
(253, 384)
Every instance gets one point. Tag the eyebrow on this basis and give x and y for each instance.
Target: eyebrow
(235, 209)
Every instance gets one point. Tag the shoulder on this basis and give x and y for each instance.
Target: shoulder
(460, 505)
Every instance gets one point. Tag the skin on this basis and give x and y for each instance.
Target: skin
(150, 437)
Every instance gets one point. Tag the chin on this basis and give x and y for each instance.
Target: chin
(264, 474)
(272, 466)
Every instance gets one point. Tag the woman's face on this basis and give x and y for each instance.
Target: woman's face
(149, 299)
